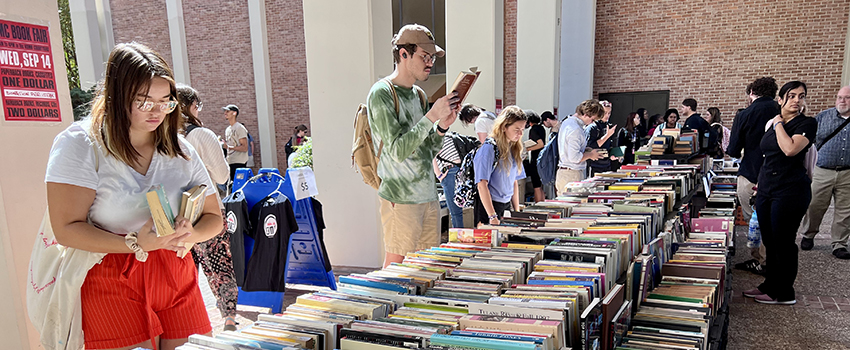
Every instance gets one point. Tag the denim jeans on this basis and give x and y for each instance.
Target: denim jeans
(455, 212)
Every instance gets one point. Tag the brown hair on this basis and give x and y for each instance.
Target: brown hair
(187, 95)
(410, 48)
(508, 149)
(714, 112)
(298, 128)
(591, 108)
(129, 71)
(630, 121)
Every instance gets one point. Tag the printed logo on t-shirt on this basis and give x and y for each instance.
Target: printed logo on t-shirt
(231, 222)
(270, 225)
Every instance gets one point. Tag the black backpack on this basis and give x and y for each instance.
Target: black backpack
(465, 188)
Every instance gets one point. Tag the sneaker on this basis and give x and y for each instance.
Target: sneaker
(841, 253)
(764, 299)
(807, 243)
(749, 265)
(752, 293)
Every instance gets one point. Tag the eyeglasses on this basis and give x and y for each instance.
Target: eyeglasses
(428, 58)
(605, 104)
(164, 107)
(200, 105)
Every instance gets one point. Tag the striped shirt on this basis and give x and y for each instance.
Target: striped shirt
(206, 144)
(448, 156)
(834, 152)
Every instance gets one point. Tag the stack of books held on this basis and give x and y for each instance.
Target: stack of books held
(191, 208)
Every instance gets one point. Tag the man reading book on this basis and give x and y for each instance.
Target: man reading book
(408, 136)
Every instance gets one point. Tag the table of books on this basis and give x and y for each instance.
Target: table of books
(625, 260)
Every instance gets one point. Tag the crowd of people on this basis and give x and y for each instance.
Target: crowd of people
(99, 170)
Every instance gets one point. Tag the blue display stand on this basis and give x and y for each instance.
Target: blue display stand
(305, 260)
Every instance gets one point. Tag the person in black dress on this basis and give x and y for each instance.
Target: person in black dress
(629, 137)
(784, 193)
(537, 134)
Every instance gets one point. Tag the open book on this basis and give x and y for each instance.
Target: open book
(464, 82)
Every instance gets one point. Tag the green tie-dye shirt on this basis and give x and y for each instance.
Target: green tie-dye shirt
(410, 144)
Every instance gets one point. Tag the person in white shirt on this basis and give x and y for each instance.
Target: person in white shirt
(484, 125)
(213, 255)
(235, 139)
(572, 144)
(142, 293)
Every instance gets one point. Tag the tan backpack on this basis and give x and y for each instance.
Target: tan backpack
(362, 150)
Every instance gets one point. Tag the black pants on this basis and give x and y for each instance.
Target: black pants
(480, 214)
(779, 218)
(233, 167)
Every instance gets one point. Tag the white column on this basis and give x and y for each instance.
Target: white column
(177, 36)
(87, 41)
(578, 35)
(471, 40)
(536, 56)
(104, 18)
(845, 71)
(342, 65)
(263, 83)
(499, 40)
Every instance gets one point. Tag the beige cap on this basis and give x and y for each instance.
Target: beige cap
(419, 35)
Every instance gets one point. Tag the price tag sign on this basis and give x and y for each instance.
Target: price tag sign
(303, 182)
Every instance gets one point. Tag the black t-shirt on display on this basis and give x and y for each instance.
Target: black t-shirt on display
(780, 174)
(274, 221)
(236, 215)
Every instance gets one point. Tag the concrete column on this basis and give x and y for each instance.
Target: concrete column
(87, 41)
(537, 55)
(845, 71)
(262, 83)
(23, 196)
(578, 35)
(342, 65)
(104, 19)
(476, 41)
(177, 35)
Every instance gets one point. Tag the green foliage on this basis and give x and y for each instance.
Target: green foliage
(69, 48)
(303, 155)
(81, 101)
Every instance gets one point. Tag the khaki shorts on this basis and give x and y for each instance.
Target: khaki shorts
(410, 227)
(565, 176)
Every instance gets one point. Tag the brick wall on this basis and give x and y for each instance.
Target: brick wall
(710, 51)
(220, 64)
(510, 54)
(288, 64)
(220, 61)
(151, 31)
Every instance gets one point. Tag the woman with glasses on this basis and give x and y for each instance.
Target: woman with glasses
(142, 294)
(214, 255)
(784, 193)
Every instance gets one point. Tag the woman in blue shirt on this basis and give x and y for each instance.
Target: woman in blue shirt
(784, 193)
(496, 167)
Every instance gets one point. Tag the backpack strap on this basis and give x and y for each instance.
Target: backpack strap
(834, 132)
(422, 97)
(393, 93)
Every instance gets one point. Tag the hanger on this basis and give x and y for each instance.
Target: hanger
(276, 190)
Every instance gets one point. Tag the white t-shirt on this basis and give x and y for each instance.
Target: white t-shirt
(484, 123)
(120, 205)
(232, 135)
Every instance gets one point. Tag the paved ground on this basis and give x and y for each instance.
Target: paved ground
(821, 318)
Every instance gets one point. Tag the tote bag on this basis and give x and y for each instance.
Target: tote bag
(55, 277)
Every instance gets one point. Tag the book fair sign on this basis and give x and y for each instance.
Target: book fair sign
(26, 69)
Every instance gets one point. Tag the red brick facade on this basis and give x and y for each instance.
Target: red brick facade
(509, 62)
(221, 68)
(711, 51)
